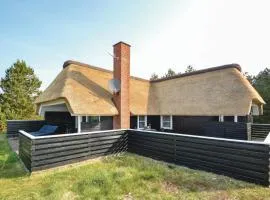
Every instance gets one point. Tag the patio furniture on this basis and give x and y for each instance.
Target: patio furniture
(45, 130)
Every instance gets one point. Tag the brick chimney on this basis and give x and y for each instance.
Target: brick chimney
(121, 71)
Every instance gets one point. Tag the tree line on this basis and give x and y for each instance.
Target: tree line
(171, 73)
(261, 82)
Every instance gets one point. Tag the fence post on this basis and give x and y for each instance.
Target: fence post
(249, 130)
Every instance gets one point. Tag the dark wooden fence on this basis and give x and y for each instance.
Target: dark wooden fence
(39, 153)
(13, 126)
(259, 131)
(244, 160)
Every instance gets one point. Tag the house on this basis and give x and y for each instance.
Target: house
(79, 98)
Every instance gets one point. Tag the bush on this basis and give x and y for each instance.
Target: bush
(2, 122)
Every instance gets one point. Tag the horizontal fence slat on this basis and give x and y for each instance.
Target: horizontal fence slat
(13, 126)
(46, 152)
(248, 161)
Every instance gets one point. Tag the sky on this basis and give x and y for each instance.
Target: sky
(162, 33)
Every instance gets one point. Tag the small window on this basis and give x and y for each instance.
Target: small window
(255, 110)
(142, 122)
(166, 122)
(84, 119)
(94, 119)
(221, 118)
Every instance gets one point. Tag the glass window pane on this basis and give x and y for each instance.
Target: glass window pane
(94, 119)
(84, 119)
(166, 118)
(141, 118)
(141, 124)
(166, 124)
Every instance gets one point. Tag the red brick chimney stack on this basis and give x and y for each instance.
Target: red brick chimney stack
(121, 71)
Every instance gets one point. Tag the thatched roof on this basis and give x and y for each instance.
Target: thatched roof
(215, 91)
(84, 88)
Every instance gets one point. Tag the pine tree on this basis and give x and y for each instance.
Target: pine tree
(190, 69)
(262, 84)
(170, 73)
(20, 87)
(154, 76)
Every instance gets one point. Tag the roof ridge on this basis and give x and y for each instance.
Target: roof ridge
(234, 65)
(70, 62)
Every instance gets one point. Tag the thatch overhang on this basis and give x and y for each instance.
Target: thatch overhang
(84, 89)
(215, 91)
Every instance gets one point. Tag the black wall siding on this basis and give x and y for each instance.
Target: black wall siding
(200, 125)
(209, 126)
(49, 152)
(154, 121)
(13, 126)
(133, 122)
(193, 125)
(241, 160)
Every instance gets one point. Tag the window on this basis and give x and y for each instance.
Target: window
(94, 119)
(255, 110)
(228, 118)
(84, 119)
(166, 122)
(141, 122)
(91, 119)
(221, 118)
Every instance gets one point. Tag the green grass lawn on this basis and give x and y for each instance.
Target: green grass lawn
(118, 177)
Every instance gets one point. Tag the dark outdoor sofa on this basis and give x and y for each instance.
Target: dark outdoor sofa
(45, 130)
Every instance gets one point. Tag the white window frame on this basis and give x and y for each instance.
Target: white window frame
(221, 118)
(79, 121)
(171, 122)
(235, 118)
(138, 121)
